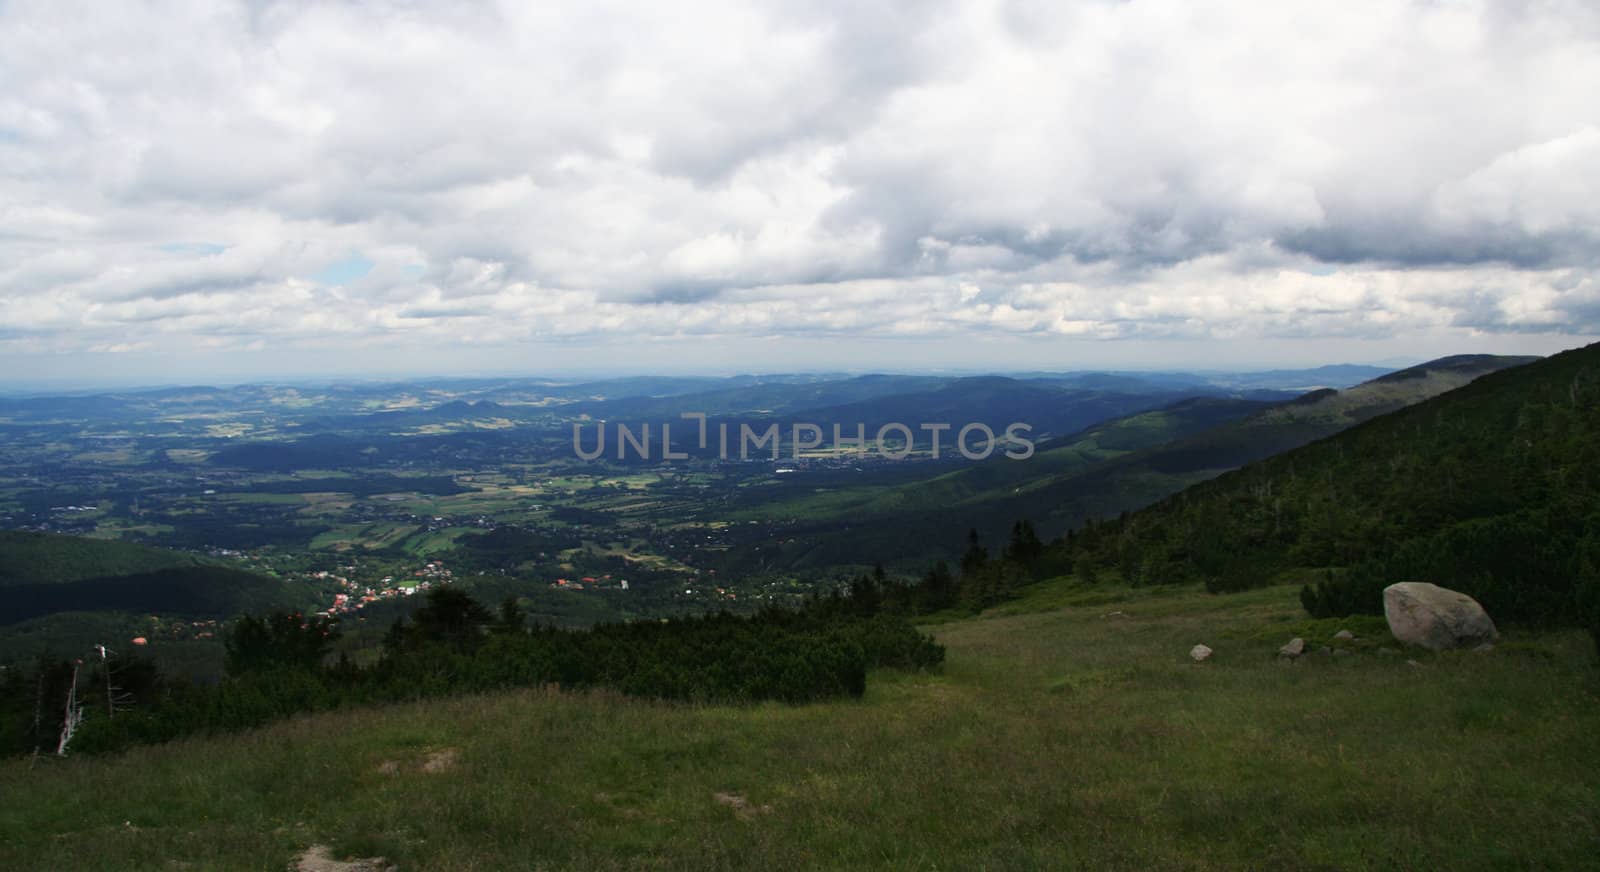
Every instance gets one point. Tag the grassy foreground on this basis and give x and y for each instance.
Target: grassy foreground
(1060, 734)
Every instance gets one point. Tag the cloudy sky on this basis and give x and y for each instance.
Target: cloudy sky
(212, 188)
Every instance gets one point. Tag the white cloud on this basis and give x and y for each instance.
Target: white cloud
(516, 172)
(1544, 188)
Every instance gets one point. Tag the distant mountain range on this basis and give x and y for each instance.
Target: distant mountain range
(1108, 469)
(1109, 443)
(777, 392)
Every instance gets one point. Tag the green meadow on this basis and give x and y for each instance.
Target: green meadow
(1067, 729)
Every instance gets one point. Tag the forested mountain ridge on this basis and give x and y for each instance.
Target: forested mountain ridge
(1000, 477)
(1490, 489)
(28, 558)
(43, 574)
(1119, 466)
(1272, 431)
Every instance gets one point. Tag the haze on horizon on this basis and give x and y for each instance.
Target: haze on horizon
(195, 192)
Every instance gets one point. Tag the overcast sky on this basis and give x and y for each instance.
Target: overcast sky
(213, 189)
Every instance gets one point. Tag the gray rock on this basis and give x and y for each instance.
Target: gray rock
(1199, 653)
(1484, 648)
(1341, 652)
(1325, 651)
(1344, 635)
(1435, 617)
(1295, 648)
(1387, 652)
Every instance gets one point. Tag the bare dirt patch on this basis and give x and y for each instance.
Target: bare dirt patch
(441, 761)
(432, 763)
(743, 809)
(319, 858)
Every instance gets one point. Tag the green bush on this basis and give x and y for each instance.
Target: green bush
(821, 652)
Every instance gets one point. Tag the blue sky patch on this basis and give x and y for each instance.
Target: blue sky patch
(344, 272)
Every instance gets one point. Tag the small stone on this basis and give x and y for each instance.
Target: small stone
(1199, 653)
(1344, 636)
(1413, 664)
(1340, 652)
(1293, 649)
(1325, 651)
(1387, 652)
(1484, 648)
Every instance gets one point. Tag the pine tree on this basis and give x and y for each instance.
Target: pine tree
(1025, 547)
(512, 621)
(451, 617)
(1588, 591)
(938, 588)
(397, 639)
(976, 556)
(281, 639)
(866, 593)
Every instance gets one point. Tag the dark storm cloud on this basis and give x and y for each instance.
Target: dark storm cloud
(1408, 246)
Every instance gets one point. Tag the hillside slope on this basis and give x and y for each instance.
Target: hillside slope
(999, 477)
(44, 574)
(1055, 738)
(996, 401)
(186, 591)
(1491, 489)
(1063, 493)
(1137, 480)
(45, 558)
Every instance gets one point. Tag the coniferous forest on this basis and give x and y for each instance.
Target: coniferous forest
(279, 665)
(1492, 489)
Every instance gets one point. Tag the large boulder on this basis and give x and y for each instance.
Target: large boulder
(1435, 617)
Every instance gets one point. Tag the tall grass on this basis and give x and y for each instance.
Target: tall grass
(1059, 735)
